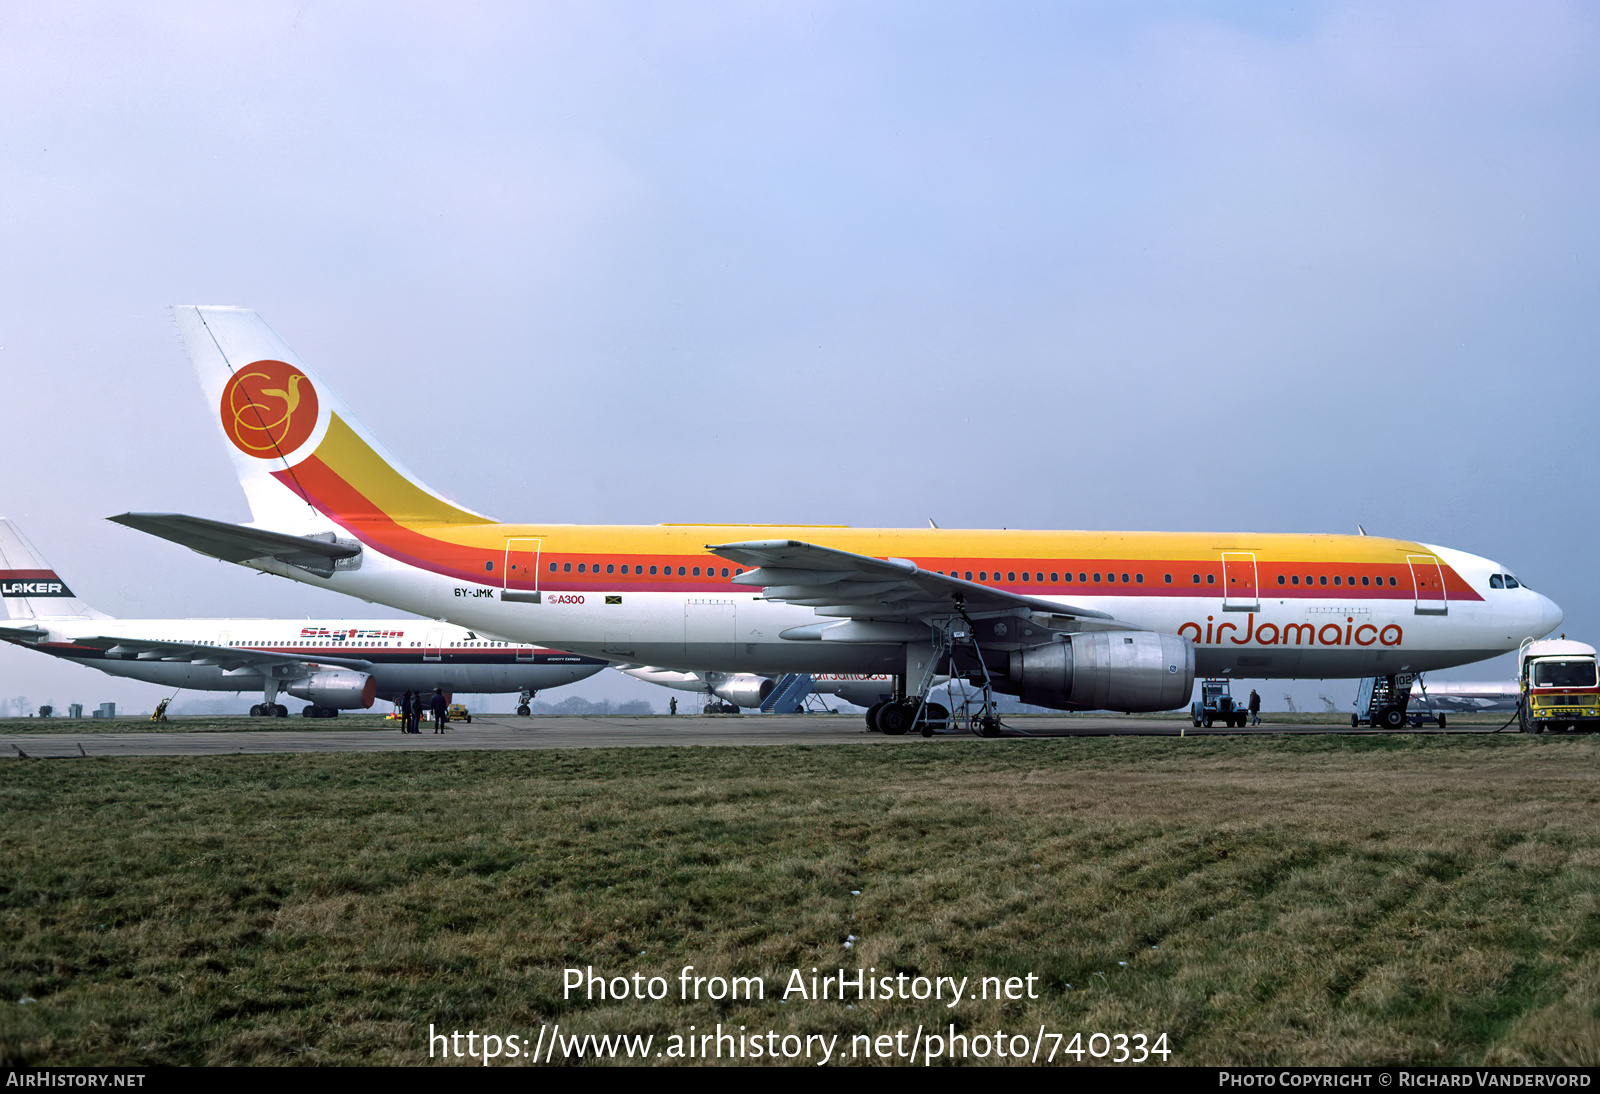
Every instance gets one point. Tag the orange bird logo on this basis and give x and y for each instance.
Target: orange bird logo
(269, 408)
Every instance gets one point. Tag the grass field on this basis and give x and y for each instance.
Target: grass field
(1266, 900)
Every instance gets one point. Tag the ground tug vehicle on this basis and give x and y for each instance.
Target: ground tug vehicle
(1560, 682)
(1216, 704)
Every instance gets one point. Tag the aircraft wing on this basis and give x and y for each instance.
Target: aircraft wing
(237, 543)
(839, 583)
(227, 658)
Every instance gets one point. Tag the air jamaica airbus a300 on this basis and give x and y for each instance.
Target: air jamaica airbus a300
(1070, 620)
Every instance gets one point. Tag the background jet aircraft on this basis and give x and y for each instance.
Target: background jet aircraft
(332, 664)
(749, 689)
(1468, 696)
(1071, 620)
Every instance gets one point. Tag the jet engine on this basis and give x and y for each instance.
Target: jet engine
(744, 689)
(1132, 671)
(341, 689)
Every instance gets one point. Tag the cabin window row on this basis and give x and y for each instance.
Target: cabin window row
(1038, 576)
(1294, 579)
(664, 571)
(1086, 578)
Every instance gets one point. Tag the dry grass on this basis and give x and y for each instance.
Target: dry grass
(87, 727)
(1261, 900)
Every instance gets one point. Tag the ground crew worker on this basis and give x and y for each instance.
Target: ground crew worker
(1255, 708)
(441, 711)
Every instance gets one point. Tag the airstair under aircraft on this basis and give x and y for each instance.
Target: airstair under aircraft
(332, 664)
(1070, 620)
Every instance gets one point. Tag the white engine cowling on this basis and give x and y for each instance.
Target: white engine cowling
(1132, 671)
(342, 689)
(744, 689)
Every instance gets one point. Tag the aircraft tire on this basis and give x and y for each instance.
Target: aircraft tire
(1392, 718)
(255, 711)
(280, 711)
(523, 710)
(872, 717)
(311, 712)
(1355, 720)
(1441, 721)
(894, 719)
(1206, 721)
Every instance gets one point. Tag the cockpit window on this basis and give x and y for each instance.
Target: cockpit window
(1511, 582)
(1563, 674)
(1497, 581)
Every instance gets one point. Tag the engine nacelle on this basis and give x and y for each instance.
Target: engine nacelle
(744, 689)
(1131, 671)
(342, 689)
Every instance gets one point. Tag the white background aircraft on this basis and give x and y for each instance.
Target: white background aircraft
(330, 664)
(748, 689)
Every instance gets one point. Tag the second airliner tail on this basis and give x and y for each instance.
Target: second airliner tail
(29, 588)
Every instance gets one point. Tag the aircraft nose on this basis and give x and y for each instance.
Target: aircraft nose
(1548, 614)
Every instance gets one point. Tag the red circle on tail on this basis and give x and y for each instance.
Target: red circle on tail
(269, 408)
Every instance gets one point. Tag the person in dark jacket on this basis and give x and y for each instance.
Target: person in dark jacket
(405, 711)
(1255, 708)
(441, 710)
(414, 715)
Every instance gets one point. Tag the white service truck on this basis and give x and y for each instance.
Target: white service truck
(1560, 681)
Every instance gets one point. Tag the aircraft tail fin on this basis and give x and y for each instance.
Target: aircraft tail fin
(29, 588)
(303, 459)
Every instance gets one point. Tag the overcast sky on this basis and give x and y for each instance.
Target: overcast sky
(1160, 266)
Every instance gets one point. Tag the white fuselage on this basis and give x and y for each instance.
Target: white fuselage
(403, 654)
(1335, 635)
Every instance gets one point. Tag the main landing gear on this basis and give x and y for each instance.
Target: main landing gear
(900, 717)
(269, 707)
(911, 709)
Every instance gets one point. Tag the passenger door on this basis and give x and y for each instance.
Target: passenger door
(1239, 586)
(520, 570)
(1427, 576)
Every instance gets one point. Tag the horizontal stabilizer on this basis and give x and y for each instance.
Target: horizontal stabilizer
(23, 634)
(237, 543)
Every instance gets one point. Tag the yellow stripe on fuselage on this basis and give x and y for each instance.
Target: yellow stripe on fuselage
(937, 543)
(354, 484)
